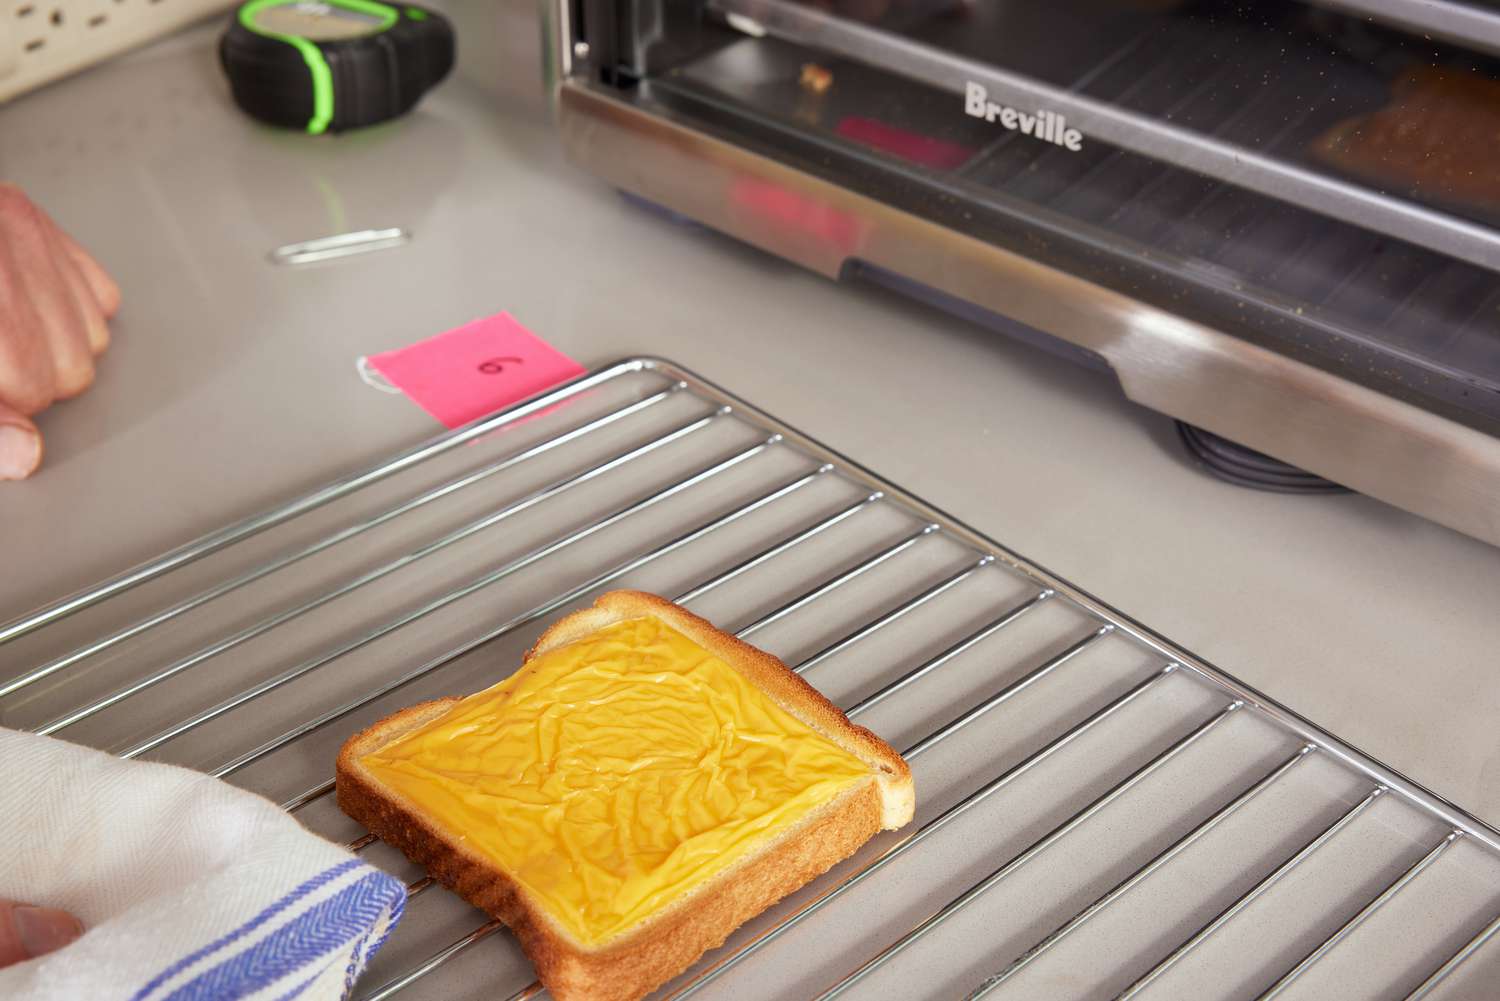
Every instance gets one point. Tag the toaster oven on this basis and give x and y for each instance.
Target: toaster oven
(1278, 223)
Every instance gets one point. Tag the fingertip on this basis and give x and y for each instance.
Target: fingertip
(41, 930)
(95, 324)
(100, 337)
(105, 289)
(72, 380)
(20, 448)
(29, 398)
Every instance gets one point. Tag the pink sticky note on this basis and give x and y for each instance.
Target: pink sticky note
(475, 369)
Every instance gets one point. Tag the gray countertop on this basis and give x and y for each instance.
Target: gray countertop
(232, 384)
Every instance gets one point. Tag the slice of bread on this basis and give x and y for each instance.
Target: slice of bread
(1412, 146)
(668, 940)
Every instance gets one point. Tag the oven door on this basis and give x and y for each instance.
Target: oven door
(1279, 222)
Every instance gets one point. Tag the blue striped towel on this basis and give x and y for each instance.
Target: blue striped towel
(190, 889)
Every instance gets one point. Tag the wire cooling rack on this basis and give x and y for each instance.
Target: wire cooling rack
(1100, 813)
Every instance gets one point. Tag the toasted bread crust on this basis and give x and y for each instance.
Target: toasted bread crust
(657, 950)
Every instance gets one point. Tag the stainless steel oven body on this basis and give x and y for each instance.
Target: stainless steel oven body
(1279, 222)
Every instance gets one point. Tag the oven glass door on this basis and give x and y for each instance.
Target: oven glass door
(1319, 178)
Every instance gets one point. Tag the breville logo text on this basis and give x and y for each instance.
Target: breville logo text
(1043, 125)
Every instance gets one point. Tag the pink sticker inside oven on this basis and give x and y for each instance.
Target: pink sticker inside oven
(475, 369)
(909, 146)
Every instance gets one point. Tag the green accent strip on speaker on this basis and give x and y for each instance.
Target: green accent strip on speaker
(317, 65)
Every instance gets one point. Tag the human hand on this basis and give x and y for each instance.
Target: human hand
(27, 932)
(55, 300)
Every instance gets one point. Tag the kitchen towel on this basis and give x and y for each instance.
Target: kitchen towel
(188, 888)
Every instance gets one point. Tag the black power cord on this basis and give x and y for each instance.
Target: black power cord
(1234, 463)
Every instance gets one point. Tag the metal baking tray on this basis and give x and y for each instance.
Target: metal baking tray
(1100, 813)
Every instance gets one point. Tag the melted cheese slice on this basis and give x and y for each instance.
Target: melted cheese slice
(615, 774)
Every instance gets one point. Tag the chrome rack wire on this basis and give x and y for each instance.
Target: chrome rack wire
(1100, 813)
